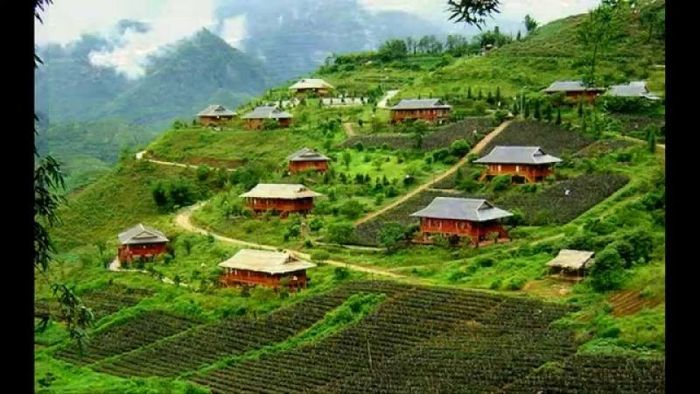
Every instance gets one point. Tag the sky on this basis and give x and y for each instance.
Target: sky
(168, 21)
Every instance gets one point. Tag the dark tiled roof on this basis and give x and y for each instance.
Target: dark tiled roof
(420, 104)
(267, 112)
(472, 209)
(517, 155)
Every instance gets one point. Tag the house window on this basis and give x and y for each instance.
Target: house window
(499, 167)
(517, 168)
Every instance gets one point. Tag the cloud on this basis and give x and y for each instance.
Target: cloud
(542, 10)
(233, 31)
(168, 21)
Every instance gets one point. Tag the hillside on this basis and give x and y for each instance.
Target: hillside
(406, 316)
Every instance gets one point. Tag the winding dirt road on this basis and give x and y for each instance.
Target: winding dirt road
(183, 220)
(139, 156)
(428, 185)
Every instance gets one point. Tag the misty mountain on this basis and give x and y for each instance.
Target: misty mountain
(293, 37)
(184, 79)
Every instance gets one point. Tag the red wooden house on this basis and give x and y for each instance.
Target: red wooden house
(306, 159)
(575, 90)
(282, 198)
(461, 218)
(430, 110)
(312, 85)
(526, 162)
(256, 118)
(264, 268)
(140, 242)
(215, 114)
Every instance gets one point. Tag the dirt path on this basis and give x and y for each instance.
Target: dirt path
(115, 266)
(389, 94)
(139, 156)
(183, 220)
(428, 185)
(349, 130)
(628, 138)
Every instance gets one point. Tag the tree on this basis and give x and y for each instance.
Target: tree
(469, 92)
(498, 94)
(347, 159)
(558, 121)
(651, 139)
(518, 38)
(530, 24)
(392, 235)
(340, 232)
(538, 114)
(392, 50)
(607, 273)
(48, 185)
(472, 12)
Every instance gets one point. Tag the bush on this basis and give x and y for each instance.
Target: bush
(316, 224)
(352, 209)
(516, 283)
(459, 148)
(320, 256)
(340, 273)
(392, 236)
(340, 232)
(607, 271)
(501, 182)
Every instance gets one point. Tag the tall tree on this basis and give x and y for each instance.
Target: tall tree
(530, 24)
(472, 12)
(48, 185)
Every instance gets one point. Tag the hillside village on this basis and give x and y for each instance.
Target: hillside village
(493, 211)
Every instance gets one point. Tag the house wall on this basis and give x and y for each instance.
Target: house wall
(235, 277)
(301, 205)
(126, 253)
(317, 91)
(430, 115)
(297, 166)
(257, 124)
(532, 173)
(477, 231)
(214, 120)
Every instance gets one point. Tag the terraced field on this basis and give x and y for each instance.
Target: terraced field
(103, 302)
(419, 339)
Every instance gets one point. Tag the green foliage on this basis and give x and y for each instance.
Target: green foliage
(392, 236)
(340, 232)
(171, 194)
(501, 182)
(607, 272)
(340, 273)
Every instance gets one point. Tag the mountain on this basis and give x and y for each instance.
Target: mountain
(192, 74)
(294, 37)
(69, 87)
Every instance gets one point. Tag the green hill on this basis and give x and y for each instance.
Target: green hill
(481, 319)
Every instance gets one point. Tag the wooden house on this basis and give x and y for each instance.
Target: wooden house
(429, 110)
(312, 85)
(256, 118)
(522, 162)
(575, 90)
(254, 267)
(632, 89)
(306, 159)
(461, 218)
(140, 242)
(214, 115)
(281, 198)
(571, 264)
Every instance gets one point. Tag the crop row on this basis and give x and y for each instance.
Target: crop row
(133, 333)
(416, 329)
(595, 374)
(551, 138)
(208, 343)
(470, 129)
(102, 302)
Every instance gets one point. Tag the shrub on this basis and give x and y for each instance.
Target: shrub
(607, 271)
(203, 172)
(316, 224)
(320, 256)
(392, 236)
(459, 148)
(352, 209)
(340, 273)
(501, 182)
(340, 232)
(516, 283)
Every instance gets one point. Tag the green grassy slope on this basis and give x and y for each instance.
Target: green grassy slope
(594, 330)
